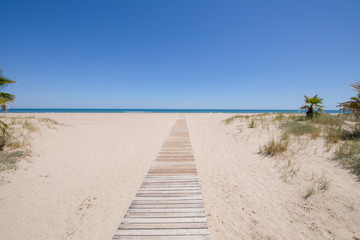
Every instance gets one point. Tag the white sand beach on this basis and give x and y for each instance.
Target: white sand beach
(80, 178)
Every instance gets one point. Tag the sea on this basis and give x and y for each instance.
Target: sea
(84, 110)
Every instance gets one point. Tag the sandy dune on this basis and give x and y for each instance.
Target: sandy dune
(247, 197)
(81, 177)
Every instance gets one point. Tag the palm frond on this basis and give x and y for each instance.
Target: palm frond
(320, 109)
(356, 85)
(7, 96)
(3, 127)
(305, 107)
(350, 106)
(5, 81)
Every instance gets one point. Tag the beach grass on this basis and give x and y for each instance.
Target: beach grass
(310, 191)
(8, 160)
(341, 131)
(275, 147)
(348, 153)
(299, 128)
(17, 138)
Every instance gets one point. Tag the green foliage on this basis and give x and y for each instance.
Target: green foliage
(3, 127)
(274, 148)
(279, 117)
(5, 97)
(309, 193)
(354, 104)
(312, 105)
(298, 129)
(348, 154)
(333, 135)
(328, 120)
(8, 160)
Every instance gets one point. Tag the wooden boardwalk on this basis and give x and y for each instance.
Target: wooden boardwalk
(169, 203)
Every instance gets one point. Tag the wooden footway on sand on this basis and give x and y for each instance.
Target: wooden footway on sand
(169, 203)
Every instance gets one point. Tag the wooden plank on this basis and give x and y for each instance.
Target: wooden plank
(148, 202)
(192, 237)
(165, 220)
(164, 226)
(168, 210)
(165, 215)
(165, 206)
(156, 232)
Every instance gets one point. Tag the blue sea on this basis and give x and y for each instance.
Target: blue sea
(80, 110)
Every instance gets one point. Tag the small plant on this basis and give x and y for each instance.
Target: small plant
(252, 124)
(29, 126)
(313, 106)
(309, 193)
(323, 184)
(274, 148)
(8, 160)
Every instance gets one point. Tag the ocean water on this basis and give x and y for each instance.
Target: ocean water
(80, 110)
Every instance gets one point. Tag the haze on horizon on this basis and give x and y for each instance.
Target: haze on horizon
(179, 54)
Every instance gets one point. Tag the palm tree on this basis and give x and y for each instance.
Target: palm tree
(354, 104)
(5, 97)
(312, 106)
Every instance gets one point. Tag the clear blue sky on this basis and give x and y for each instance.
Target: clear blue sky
(179, 53)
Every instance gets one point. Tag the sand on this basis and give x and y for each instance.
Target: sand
(81, 177)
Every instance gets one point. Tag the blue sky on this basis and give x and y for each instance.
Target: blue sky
(179, 53)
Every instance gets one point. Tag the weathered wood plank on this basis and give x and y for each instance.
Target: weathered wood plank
(192, 237)
(165, 206)
(156, 232)
(164, 226)
(167, 210)
(165, 215)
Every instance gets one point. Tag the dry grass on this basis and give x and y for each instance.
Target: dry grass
(252, 124)
(299, 128)
(341, 131)
(8, 160)
(275, 148)
(30, 126)
(323, 184)
(17, 138)
(348, 154)
(235, 117)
